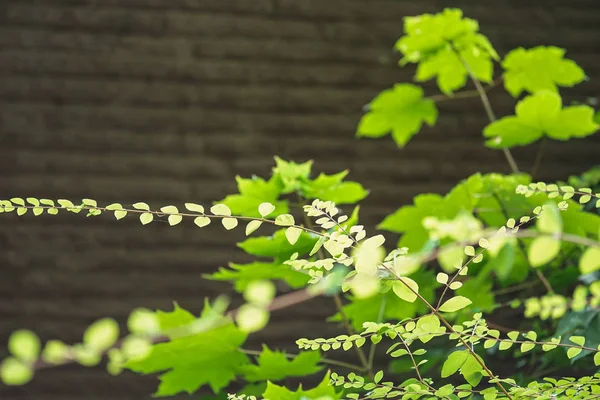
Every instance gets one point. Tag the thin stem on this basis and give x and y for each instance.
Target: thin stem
(487, 106)
(538, 158)
(323, 360)
(379, 319)
(338, 304)
(539, 273)
(465, 94)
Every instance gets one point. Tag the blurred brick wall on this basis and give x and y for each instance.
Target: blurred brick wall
(165, 101)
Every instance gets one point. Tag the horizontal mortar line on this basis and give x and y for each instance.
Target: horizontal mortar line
(269, 15)
(196, 58)
(119, 75)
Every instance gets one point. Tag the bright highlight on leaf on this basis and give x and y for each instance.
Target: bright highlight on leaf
(143, 321)
(102, 334)
(401, 110)
(24, 345)
(251, 318)
(590, 260)
(14, 372)
(542, 250)
(259, 293)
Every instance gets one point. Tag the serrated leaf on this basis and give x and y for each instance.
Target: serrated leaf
(401, 110)
(177, 361)
(275, 366)
(454, 304)
(539, 68)
(323, 391)
(541, 115)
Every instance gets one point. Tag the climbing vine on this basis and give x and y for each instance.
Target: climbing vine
(490, 292)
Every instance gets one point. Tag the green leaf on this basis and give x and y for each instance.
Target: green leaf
(14, 372)
(331, 188)
(251, 318)
(243, 274)
(143, 321)
(549, 220)
(275, 366)
(182, 361)
(402, 289)
(542, 250)
(253, 193)
(277, 246)
(24, 345)
(590, 260)
(539, 68)
(252, 226)
(322, 391)
(174, 319)
(471, 370)
(401, 111)
(454, 304)
(290, 174)
(102, 334)
(453, 363)
(541, 115)
(260, 292)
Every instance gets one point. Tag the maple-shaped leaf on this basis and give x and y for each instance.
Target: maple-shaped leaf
(253, 192)
(275, 366)
(243, 274)
(541, 115)
(401, 111)
(290, 173)
(322, 391)
(446, 46)
(183, 361)
(277, 246)
(332, 188)
(539, 68)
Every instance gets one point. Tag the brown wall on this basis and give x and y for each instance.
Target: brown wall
(165, 101)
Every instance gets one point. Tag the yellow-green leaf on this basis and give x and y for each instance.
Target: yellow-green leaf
(220, 209)
(193, 207)
(590, 260)
(265, 209)
(102, 334)
(201, 221)
(292, 234)
(141, 206)
(24, 345)
(229, 223)
(14, 372)
(542, 250)
(252, 226)
(454, 304)
(284, 220)
(146, 218)
(401, 289)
